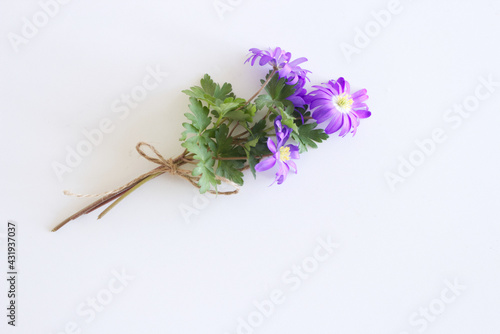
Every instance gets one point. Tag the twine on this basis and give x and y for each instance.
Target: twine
(165, 166)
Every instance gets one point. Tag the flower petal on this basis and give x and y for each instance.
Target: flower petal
(359, 93)
(271, 145)
(346, 127)
(265, 164)
(294, 151)
(363, 113)
(361, 98)
(282, 173)
(297, 61)
(285, 71)
(322, 114)
(341, 83)
(292, 164)
(335, 124)
(320, 101)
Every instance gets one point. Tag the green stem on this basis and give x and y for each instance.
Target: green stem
(262, 87)
(128, 192)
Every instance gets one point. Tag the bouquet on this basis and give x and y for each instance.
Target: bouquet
(225, 134)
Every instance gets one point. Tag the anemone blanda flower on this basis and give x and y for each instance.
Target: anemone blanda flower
(334, 101)
(280, 60)
(300, 97)
(281, 153)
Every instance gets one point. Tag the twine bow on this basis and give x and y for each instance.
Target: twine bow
(170, 166)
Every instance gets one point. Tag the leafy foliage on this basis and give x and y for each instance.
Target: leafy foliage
(277, 93)
(212, 143)
(308, 136)
(210, 91)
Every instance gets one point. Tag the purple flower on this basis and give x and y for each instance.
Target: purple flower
(281, 154)
(300, 97)
(280, 61)
(334, 101)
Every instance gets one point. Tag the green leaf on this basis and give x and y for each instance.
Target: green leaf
(208, 85)
(196, 92)
(252, 161)
(223, 92)
(230, 170)
(251, 143)
(189, 129)
(207, 177)
(246, 114)
(210, 91)
(228, 105)
(263, 101)
(288, 120)
(277, 88)
(224, 143)
(259, 127)
(205, 166)
(256, 146)
(308, 136)
(199, 117)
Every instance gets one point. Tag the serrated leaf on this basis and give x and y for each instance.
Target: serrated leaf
(245, 114)
(278, 90)
(223, 92)
(204, 169)
(223, 108)
(208, 85)
(308, 136)
(210, 91)
(230, 170)
(199, 117)
(252, 161)
(207, 177)
(288, 120)
(263, 101)
(258, 127)
(224, 143)
(251, 143)
(189, 129)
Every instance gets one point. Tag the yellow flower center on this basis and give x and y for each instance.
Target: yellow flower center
(284, 153)
(343, 102)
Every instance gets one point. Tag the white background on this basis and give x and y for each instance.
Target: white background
(397, 248)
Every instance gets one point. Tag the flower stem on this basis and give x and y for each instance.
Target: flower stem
(234, 128)
(119, 195)
(126, 193)
(262, 87)
(241, 158)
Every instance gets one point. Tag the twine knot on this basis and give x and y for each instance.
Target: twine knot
(170, 166)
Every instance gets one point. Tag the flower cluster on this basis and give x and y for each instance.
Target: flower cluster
(330, 102)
